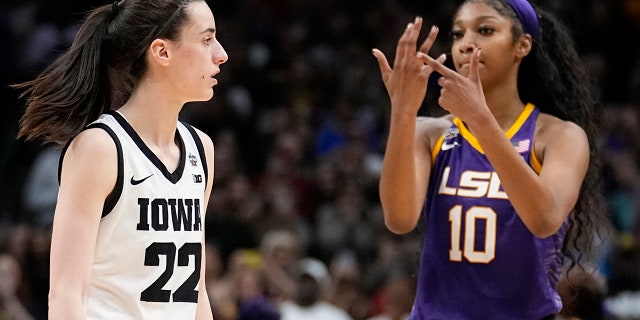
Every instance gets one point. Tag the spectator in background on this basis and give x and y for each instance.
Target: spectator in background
(279, 250)
(344, 223)
(219, 286)
(348, 291)
(251, 288)
(41, 187)
(583, 295)
(312, 281)
(397, 297)
(11, 305)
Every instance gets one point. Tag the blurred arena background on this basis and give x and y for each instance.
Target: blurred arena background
(299, 122)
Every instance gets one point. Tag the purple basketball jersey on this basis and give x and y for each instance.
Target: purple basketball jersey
(479, 261)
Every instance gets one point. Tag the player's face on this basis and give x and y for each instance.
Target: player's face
(198, 54)
(477, 25)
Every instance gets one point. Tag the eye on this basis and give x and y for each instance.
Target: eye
(486, 30)
(456, 34)
(207, 40)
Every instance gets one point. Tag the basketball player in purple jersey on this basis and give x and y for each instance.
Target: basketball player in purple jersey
(506, 182)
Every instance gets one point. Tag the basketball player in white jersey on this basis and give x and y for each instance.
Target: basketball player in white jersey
(128, 238)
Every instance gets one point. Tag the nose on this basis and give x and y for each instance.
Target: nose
(468, 43)
(219, 54)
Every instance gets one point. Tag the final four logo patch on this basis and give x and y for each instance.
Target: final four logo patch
(193, 160)
(451, 134)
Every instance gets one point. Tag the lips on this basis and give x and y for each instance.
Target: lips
(215, 81)
(466, 64)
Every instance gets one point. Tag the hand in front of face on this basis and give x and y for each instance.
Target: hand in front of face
(458, 94)
(406, 83)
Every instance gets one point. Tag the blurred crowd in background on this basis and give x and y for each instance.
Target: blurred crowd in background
(299, 122)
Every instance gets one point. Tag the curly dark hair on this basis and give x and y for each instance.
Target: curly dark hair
(552, 77)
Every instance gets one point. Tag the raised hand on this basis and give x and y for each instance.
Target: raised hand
(461, 95)
(406, 83)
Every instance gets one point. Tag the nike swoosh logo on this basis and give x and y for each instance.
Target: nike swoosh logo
(136, 182)
(446, 147)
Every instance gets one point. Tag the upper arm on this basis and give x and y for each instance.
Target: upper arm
(88, 174)
(563, 148)
(428, 131)
(406, 173)
(204, 307)
(422, 149)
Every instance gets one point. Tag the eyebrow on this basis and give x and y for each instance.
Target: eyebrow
(209, 30)
(480, 18)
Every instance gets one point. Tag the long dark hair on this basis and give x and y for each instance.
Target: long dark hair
(552, 78)
(99, 70)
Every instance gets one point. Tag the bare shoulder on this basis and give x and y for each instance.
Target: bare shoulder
(550, 127)
(430, 128)
(553, 131)
(91, 162)
(94, 143)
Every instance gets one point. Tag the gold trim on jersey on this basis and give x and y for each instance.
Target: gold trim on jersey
(535, 162)
(436, 149)
(466, 134)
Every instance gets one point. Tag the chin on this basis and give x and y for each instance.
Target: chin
(206, 96)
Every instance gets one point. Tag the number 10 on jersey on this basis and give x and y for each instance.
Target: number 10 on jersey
(468, 249)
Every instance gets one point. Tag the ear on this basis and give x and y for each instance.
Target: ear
(523, 46)
(158, 52)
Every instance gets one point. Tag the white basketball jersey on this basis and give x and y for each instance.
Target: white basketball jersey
(149, 244)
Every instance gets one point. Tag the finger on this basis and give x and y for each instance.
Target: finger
(383, 63)
(441, 59)
(415, 33)
(474, 72)
(407, 43)
(437, 65)
(431, 38)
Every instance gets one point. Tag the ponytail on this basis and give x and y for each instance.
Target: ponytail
(100, 69)
(553, 78)
(73, 91)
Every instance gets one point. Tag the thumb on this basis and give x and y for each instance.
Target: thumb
(474, 72)
(385, 68)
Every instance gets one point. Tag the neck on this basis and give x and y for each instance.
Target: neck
(153, 113)
(505, 103)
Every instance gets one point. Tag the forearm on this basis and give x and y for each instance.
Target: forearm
(203, 311)
(66, 306)
(398, 192)
(532, 200)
